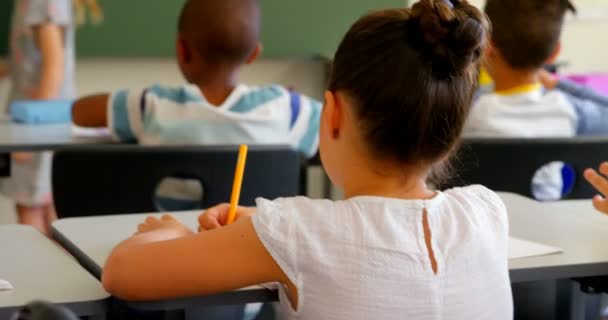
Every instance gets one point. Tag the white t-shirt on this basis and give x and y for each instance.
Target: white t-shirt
(160, 115)
(532, 114)
(366, 257)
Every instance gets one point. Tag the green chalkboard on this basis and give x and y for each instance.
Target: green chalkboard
(6, 10)
(146, 28)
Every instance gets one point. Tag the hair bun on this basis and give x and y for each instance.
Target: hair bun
(452, 32)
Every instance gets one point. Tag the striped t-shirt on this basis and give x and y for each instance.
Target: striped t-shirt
(161, 115)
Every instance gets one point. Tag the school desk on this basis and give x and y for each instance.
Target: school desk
(582, 233)
(91, 239)
(573, 226)
(570, 225)
(39, 269)
(19, 137)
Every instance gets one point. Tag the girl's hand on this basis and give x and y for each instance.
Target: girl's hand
(166, 222)
(599, 181)
(216, 217)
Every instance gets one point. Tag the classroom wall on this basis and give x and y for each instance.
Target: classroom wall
(585, 46)
(94, 75)
(308, 76)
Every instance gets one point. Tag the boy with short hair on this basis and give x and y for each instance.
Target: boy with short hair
(527, 101)
(216, 39)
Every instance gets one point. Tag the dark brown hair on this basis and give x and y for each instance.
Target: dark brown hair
(221, 31)
(526, 32)
(411, 75)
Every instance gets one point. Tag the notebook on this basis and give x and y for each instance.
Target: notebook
(5, 285)
(519, 249)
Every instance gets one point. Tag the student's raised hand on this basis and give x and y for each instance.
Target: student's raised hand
(547, 79)
(599, 181)
(216, 217)
(166, 222)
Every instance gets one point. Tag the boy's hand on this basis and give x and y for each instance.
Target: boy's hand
(166, 222)
(548, 80)
(216, 217)
(599, 181)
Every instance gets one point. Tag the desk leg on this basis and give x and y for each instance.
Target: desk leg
(5, 165)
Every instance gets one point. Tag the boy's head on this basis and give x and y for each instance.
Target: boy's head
(526, 33)
(217, 35)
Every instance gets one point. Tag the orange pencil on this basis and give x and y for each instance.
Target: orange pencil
(238, 182)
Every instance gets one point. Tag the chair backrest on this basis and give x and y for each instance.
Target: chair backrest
(44, 311)
(109, 180)
(510, 164)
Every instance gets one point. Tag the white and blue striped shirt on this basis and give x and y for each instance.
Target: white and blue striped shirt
(161, 115)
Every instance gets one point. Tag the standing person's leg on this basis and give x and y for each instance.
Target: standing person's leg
(30, 188)
(50, 213)
(33, 216)
(41, 192)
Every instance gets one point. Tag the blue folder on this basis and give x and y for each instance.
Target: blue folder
(41, 112)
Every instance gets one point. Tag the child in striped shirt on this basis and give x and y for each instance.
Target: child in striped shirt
(216, 39)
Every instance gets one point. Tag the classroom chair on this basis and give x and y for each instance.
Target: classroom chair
(107, 180)
(509, 165)
(44, 311)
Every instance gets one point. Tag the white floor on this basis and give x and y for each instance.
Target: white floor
(7, 211)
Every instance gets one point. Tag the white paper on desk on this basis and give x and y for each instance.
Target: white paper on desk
(90, 132)
(519, 248)
(5, 285)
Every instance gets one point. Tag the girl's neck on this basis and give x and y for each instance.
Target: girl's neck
(387, 181)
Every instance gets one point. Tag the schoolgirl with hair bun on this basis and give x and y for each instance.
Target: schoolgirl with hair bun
(400, 91)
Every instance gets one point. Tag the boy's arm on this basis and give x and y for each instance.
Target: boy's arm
(91, 111)
(121, 112)
(49, 38)
(581, 92)
(591, 107)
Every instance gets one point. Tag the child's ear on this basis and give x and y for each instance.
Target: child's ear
(184, 54)
(333, 108)
(555, 54)
(255, 54)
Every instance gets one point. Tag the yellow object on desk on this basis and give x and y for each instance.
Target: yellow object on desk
(238, 182)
